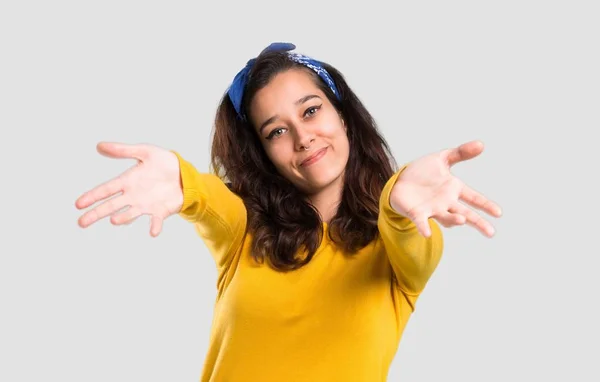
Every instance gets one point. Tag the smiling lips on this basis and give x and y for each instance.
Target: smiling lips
(314, 158)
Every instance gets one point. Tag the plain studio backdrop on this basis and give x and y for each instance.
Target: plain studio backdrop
(113, 304)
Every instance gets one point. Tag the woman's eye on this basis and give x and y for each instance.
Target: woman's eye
(311, 111)
(275, 133)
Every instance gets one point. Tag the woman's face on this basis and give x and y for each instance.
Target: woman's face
(301, 132)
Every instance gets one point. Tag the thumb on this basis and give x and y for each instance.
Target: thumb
(122, 150)
(464, 152)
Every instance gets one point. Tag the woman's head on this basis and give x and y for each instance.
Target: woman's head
(284, 112)
(301, 131)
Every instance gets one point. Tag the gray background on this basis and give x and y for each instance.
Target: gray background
(112, 304)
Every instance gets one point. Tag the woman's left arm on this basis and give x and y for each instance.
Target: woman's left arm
(413, 202)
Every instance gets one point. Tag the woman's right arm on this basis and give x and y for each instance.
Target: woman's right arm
(218, 214)
(162, 184)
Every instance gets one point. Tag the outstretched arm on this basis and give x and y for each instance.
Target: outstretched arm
(417, 198)
(218, 214)
(161, 184)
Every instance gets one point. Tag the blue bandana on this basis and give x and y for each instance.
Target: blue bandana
(236, 90)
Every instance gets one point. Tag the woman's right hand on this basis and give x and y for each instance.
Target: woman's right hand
(151, 187)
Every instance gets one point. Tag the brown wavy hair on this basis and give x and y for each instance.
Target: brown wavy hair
(280, 217)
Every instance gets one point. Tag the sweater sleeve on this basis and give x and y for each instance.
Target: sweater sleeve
(218, 215)
(412, 256)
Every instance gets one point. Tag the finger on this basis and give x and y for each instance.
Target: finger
(420, 216)
(473, 219)
(126, 217)
(108, 207)
(464, 152)
(449, 219)
(477, 200)
(123, 150)
(155, 226)
(101, 192)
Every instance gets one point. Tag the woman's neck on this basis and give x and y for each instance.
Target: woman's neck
(327, 200)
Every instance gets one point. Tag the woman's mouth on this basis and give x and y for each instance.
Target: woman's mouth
(314, 158)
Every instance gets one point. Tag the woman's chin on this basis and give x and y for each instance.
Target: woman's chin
(319, 181)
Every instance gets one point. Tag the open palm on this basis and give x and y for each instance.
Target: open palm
(427, 189)
(151, 187)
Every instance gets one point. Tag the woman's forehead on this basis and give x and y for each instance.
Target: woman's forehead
(286, 89)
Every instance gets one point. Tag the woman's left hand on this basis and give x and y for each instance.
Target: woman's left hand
(426, 189)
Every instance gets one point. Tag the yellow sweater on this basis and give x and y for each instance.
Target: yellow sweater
(336, 319)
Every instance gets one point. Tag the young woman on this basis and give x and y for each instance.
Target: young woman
(322, 245)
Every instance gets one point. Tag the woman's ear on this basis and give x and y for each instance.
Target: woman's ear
(343, 122)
